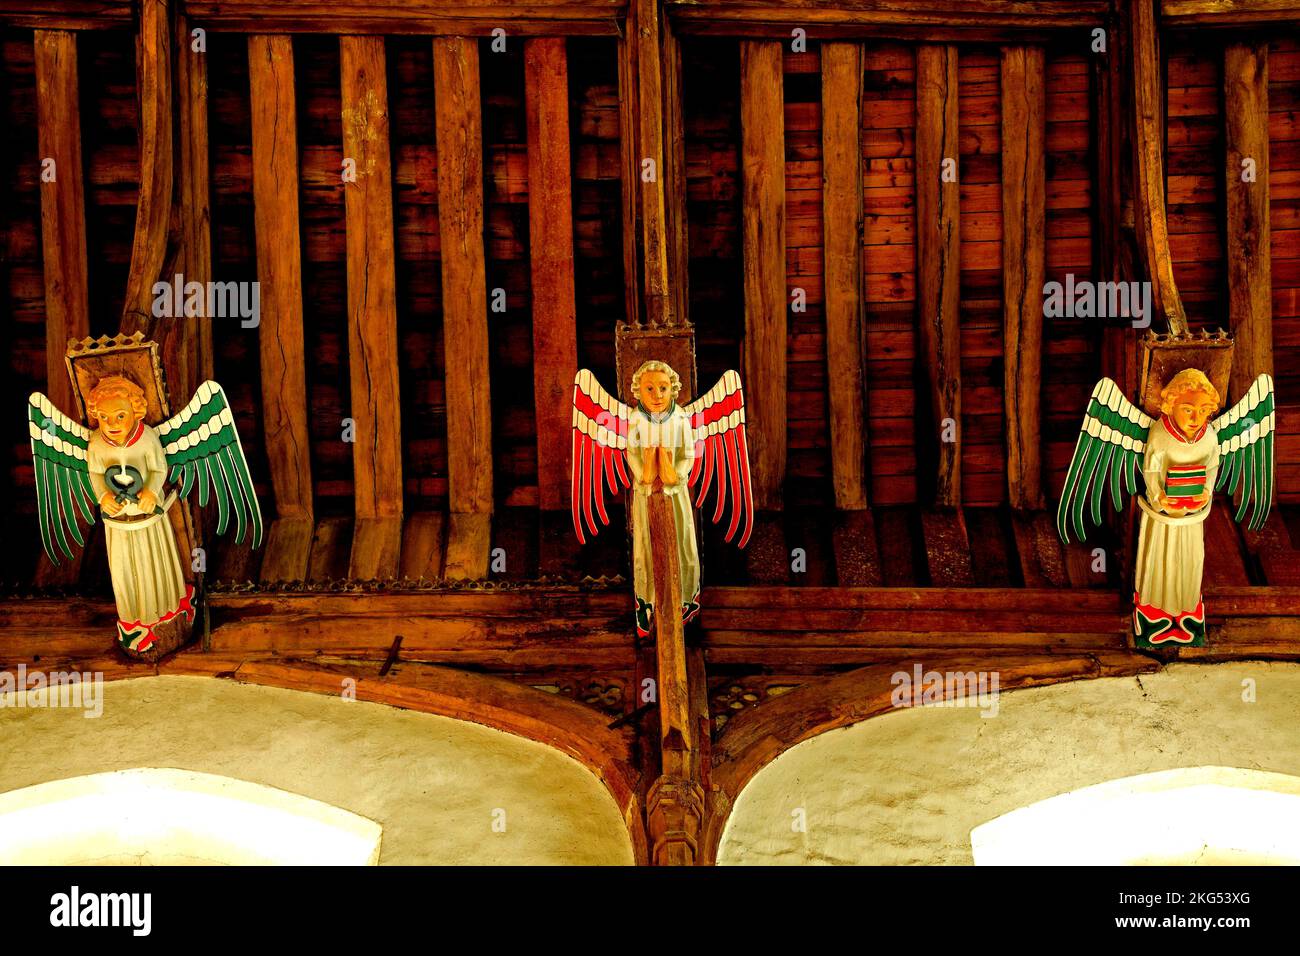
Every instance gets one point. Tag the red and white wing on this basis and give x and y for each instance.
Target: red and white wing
(721, 452)
(600, 424)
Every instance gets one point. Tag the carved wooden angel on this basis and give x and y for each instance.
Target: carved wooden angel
(121, 466)
(1183, 458)
(661, 447)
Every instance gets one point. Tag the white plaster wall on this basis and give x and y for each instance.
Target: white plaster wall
(908, 787)
(431, 782)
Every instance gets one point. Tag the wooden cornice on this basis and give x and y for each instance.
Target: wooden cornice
(429, 17)
(903, 19)
(1229, 13)
(66, 14)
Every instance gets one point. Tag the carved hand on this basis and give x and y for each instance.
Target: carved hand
(667, 473)
(147, 501)
(650, 469)
(109, 504)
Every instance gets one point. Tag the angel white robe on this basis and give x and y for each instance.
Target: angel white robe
(1171, 550)
(672, 430)
(142, 558)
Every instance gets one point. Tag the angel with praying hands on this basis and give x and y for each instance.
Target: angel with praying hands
(1183, 457)
(660, 447)
(120, 466)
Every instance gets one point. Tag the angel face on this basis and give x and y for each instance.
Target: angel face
(1190, 409)
(656, 391)
(116, 418)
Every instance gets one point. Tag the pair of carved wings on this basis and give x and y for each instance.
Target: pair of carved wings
(600, 431)
(1112, 443)
(201, 446)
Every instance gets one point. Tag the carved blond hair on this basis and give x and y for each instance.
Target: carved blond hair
(1189, 379)
(115, 386)
(654, 365)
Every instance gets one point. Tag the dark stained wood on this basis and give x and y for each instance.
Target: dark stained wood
(372, 310)
(947, 548)
(63, 235)
(674, 182)
(469, 538)
(464, 289)
(675, 730)
(153, 208)
(423, 543)
(428, 17)
(63, 206)
(993, 558)
(659, 298)
(1225, 564)
(550, 229)
(1249, 231)
(1149, 179)
(842, 252)
(1228, 13)
(66, 14)
(863, 13)
(857, 555)
(1042, 559)
(195, 198)
(630, 167)
(331, 545)
(938, 275)
(898, 564)
(274, 118)
(1024, 238)
(763, 228)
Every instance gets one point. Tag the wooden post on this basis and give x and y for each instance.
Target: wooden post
(1024, 233)
(1148, 145)
(630, 159)
(1250, 280)
(464, 294)
(651, 171)
(937, 252)
(550, 226)
(762, 126)
(63, 232)
(153, 208)
(372, 310)
(676, 801)
(274, 123)
(194, 211)
(842, 245)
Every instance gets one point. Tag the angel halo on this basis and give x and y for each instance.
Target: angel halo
(1183, 457)
(666, 449)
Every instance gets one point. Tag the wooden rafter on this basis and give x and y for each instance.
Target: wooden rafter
(459, 122)
(279, 271)
(762, 131)
(842, 253)
(1149, 163)
(1249, 231)
(426, 17)
(938, 278)
(550, 233)
(372, 310)
(1024, 241)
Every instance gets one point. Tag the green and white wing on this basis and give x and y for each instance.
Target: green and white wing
(62, 475)
(203, 450)
(1246, 451)
(1111, 445)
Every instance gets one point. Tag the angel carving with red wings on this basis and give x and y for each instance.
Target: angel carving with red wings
(660, 447)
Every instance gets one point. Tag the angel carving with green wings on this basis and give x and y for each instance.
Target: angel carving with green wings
(1183, 457)
(121, 467)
